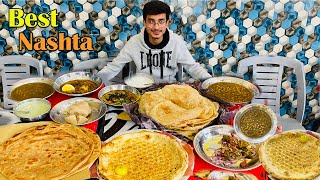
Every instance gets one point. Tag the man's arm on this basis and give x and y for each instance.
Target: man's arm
(115, 66)
(193, 68)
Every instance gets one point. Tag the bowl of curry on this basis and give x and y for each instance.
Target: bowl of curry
(77, 83)
(230, 89)
(36, 87)
(255, 123)
(118, 95)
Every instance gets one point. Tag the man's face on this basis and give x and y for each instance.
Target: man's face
(156, 25)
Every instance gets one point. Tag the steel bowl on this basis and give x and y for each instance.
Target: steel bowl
(34, 109)
(118, 87)
(247, 108)
(210, 133)
(251, 87)
(28, 81)
(99, 109)
(76, 76)
(139, 80)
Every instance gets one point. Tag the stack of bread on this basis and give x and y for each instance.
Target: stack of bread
(51, 151)
(180, 108)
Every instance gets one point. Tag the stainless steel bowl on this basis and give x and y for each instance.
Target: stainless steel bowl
(247, 108)
(139, 80)
(36, 109)
(251, 87)
(28, 81)
(76, 76)
(99, 109)
(118, 87)
(209, 133)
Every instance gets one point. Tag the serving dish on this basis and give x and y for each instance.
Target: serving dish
(35, 87)
(98, 110)
(139, 80)
(118, 95)
(243, 85)
(33, 109)
(80, 76)
(255, 123)
(228, 175)
(207, 144)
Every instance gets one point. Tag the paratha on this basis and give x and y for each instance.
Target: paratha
(291, 155)
(145, 155)
(96, 149)
(178, 107)
(45, 152)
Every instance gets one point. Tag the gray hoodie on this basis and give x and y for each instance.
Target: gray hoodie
(161, 63)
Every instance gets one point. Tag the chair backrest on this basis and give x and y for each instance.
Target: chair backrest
(267, 73)
(14, 68)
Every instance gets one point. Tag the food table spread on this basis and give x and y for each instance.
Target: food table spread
(169, 115)
(199, 166)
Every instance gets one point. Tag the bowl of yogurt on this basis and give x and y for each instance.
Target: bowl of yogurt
(34, 109)
(139, 80)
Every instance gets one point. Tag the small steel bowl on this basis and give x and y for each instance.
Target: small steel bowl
(28, 81)
(76, 76)
(209, 133)
(98, 108)
(251, 87)
(247, 108)
(118, 87)
(136, 80)
(31, 106)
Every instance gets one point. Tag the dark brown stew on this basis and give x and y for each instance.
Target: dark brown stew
(31, 90)
(230, 92)
(119, 97)
(255, 123)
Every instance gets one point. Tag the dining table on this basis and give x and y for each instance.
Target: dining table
(99, 126)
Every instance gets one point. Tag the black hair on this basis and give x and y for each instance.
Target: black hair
(156, 7)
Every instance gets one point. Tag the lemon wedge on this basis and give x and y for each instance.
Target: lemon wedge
(124, 116)
(67, 88)
(304, 138)
(121, 170)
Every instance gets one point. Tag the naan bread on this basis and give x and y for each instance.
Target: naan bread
(45, 152)
(146, 155)
(285, 156)
(179, 107)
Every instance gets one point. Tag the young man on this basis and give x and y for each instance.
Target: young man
(156, 49)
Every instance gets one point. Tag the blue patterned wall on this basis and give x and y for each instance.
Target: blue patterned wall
(219, 33)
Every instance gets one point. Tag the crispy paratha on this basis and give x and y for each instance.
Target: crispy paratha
(45, 152)
(178, 107)
(145, 155)
(291, 155)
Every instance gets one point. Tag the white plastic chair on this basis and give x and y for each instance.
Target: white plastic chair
(267, 74)
(14, 68)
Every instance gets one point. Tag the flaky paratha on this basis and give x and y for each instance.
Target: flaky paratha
(95, 153)
(178, 107)
(291, 155)
(146, 155)
(45, 152)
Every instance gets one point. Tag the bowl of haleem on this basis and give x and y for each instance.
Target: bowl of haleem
(230, 89)
(118, 95)
(35, 87)
(77, 83)
(255, 123)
